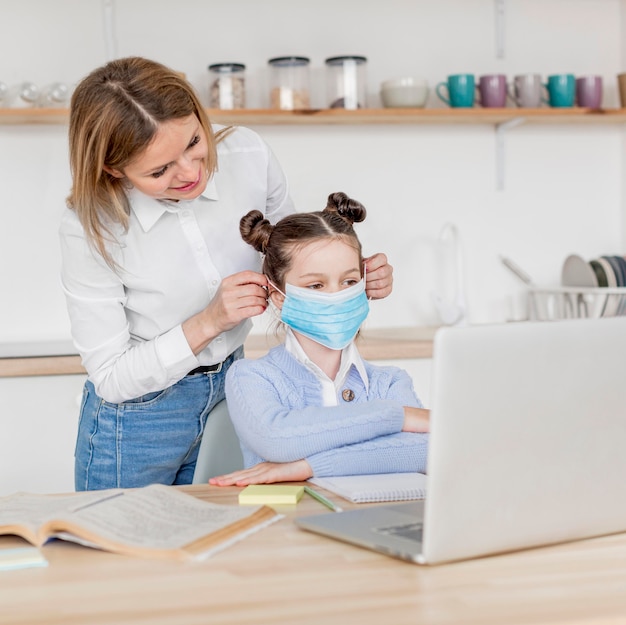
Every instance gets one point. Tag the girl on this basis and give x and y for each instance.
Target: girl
(312, 406)
(160, 287)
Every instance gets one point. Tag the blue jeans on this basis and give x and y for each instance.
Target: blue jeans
(152, 439)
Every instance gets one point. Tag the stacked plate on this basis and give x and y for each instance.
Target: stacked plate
(606, 272)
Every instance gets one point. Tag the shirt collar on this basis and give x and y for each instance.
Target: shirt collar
(148, 210)
(349, 357)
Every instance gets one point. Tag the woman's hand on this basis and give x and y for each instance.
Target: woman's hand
(416, 420)
(378, 277)
(240, 296)
(266, 473)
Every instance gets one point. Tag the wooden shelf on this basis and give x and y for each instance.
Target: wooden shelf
(363, 116)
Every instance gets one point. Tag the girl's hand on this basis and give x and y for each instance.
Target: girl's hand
(266, 473)
(416, 420)
(378, 277)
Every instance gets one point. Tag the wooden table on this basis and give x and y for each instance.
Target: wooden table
(285, 575)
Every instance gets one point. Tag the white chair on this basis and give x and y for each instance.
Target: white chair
(219, 449)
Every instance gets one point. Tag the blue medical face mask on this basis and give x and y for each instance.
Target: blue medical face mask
(331, 319)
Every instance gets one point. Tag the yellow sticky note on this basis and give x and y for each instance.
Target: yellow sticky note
(270, 494)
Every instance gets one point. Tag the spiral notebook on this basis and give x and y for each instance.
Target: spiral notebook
(378, 487)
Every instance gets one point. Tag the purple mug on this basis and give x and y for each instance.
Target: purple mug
(492, 90)
(589, 91)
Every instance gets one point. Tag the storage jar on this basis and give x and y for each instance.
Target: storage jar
(346, 81)
(289, 82)
(227, 89)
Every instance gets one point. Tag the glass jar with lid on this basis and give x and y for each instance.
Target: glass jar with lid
(346, 81)
(289, 82)
(227, 88)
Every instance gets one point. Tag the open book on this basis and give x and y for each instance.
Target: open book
(377, 487)
(154, 522)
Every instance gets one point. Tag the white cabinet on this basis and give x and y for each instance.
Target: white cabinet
(38, 421)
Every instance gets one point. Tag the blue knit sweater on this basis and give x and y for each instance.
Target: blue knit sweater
(275, 404)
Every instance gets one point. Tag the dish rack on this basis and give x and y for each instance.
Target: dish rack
(552, 304)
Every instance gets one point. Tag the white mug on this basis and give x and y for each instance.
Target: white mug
(526, 90)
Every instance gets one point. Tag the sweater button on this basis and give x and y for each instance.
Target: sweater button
(347, 394)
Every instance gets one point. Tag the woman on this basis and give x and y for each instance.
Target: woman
(160, 288)
(312, 406)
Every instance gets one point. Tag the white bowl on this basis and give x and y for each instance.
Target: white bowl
(404, 93)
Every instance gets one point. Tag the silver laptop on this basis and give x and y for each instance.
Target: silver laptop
(527, 445)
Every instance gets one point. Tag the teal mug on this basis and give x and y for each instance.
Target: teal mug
(461, 90)
(561, 90)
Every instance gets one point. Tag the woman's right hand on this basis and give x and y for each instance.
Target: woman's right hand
(239, 297)
(416, 420)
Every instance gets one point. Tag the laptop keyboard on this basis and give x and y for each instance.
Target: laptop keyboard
(412, 531)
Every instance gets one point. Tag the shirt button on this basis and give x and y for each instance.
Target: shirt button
(213, 282)
(347, 394)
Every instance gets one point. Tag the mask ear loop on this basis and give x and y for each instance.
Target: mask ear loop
(275, 287)
(273, 307)
(365, 277)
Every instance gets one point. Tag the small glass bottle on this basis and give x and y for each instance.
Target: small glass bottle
(346, 81)
(227, 88)
(4, 92)
(289, 82)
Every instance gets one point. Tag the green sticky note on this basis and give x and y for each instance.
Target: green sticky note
(270, 494)
(21, 558)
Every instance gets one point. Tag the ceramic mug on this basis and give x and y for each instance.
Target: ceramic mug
(525, 90)
(492, 90)
(589, 91)
(461, 90)
(561, 90)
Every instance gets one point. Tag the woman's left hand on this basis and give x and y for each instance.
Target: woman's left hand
(266, 473)
(379, 277)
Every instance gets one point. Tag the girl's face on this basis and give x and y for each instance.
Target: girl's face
(329, 265)
(173, 166)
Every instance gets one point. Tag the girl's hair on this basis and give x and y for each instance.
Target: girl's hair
(115, 113)
(279, 243)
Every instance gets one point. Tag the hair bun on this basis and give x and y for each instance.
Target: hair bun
(351, 210)
(255, 230)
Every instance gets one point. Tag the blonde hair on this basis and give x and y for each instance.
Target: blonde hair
(115, 113)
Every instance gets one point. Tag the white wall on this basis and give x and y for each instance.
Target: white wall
(563, 183)
(563, 186)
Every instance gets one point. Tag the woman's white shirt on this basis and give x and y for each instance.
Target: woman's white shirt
(126, 323)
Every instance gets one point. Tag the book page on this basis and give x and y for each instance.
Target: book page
(154, 517)
(31, 511)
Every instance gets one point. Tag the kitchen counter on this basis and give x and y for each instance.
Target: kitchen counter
(60, 358)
